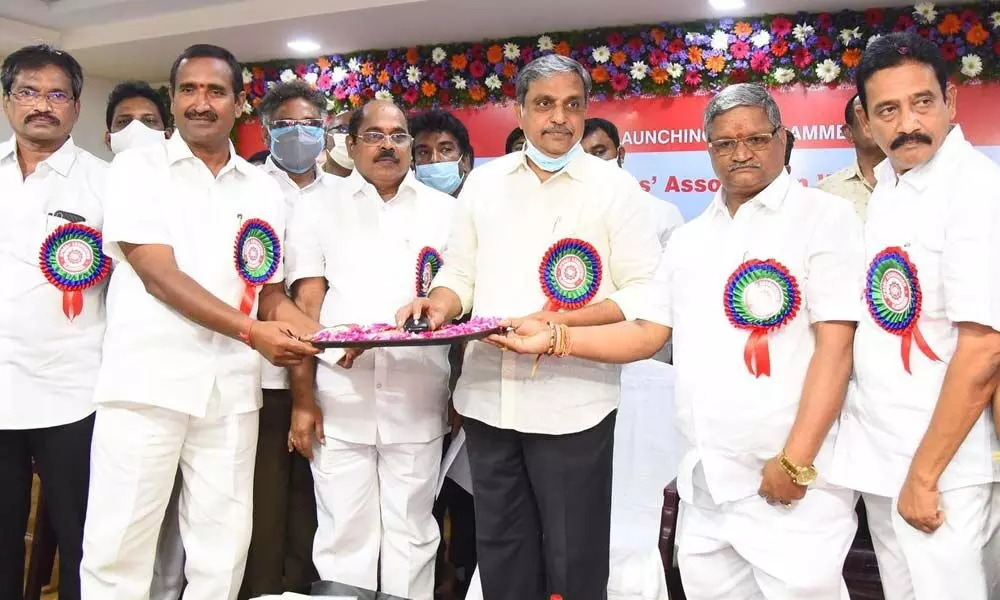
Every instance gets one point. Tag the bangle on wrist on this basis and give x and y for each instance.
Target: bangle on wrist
(246, 336)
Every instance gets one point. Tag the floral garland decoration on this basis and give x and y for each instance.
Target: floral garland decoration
(652, 60)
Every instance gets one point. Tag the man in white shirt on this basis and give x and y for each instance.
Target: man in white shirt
(198, 233)
(540, 440)
(335, 159)
(915, 439)
(50, 331)
(373, 432)
(600, 138)
(284, 505)
(760, 294)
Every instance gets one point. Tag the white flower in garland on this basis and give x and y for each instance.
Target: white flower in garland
(995, 19)
(925, 10)
(511, 51)
(247, 76)
(847, 35)
(458, 82)
(338, 74)
(413, 74)
(601, 54)
(720, 40)
(354, 64)
(827, 71)
(872, 39)
(383, 95)
(247, 108)
(675, 70)
(972, 65)
(761, 38)
(271, 84)
(639, 70)
(288, 75)
(545, 43)
(493, 82)
(331, 104)
(784, 75)
(802, 32)
(310, 78)
(438, 55)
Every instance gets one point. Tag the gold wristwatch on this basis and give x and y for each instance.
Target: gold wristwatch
(800, 475)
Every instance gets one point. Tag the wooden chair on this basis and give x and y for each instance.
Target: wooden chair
(860, 567)
(43, 551)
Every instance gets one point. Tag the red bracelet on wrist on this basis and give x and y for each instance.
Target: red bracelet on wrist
(247, 334)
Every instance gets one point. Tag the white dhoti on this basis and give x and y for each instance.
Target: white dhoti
(134, 460)
(748, 549)
(168, 566)
(374, 515)
(948, 564)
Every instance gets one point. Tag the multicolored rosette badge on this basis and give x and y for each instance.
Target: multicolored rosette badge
(892, 292)
(428, 264)
(761, 296)
(72, 259)
(257, 256)
(570, 274)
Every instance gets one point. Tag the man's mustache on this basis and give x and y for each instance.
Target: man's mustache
(193, 115)
(389, 154)
(47, 117)
(905, 138)
(745, 165)
(557, 129)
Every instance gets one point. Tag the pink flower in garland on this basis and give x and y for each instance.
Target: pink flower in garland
(824, 44)
(824, 20)
(657, 57)
(802, 57)
(760, 62)
(324, 81)
(781, 26)
(301, 70)
(739, 49)
(477, 69)
(527, 54)
(619, 82)
(340, 93)
(411, 95)
(693, 78)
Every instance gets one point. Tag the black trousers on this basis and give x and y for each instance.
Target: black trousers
(62, 457)
(543, 511)
(459, 506)
(284, 508)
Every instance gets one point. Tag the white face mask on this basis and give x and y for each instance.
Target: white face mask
(136, 135)
(339, 151)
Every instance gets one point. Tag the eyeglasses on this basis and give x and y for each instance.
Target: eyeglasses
(424, 155)
(337, 129)
(293, 122)
(29, 97)
(375, 138)
(755, 143)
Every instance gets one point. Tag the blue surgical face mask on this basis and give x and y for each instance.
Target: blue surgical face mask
(546, 162)
(295, 148)
(443, 176)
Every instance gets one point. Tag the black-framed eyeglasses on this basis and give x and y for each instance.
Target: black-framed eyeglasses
(28, 97)
(293, 122)
(344, 129)
(374, 138)
(755, 143)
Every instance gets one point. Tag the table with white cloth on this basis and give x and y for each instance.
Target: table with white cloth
(648, 449)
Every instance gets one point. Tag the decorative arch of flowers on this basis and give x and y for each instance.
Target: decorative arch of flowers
(813, 49)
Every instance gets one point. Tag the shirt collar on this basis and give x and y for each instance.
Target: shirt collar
(576, 168)
(920, 177)
(178, 150)
(356, 183)
(273, 169)
(60, 161)
(771, 197)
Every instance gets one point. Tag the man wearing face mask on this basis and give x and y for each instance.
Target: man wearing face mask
(540, 432)
(442, 154)
(284, 506)
(335, 160)
(136, 117)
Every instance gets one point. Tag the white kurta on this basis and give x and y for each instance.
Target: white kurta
(171, 392)
(943, 216)
(732, 543)
(384, 418)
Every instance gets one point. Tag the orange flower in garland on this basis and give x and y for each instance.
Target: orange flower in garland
(852, 57)
(476, 93)
(659, 75)
(619, 58)
(355, 99)
(459, 62)
(715, 63)
(367, 69)
(562, 48)
(383, 77)
(494, 54)
(657, 35)
(428, 88)
(599, 74)
(509, 70)
(977, 35)
(412, 56)
(323, 63)
(743, 29)
(950, 24)
(694, 55)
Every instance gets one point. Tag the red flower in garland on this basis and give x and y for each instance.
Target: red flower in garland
(802, 57)
(444, 97)
(619, 82)
(949, 51)
(874, 16)
(477, 69)
(527, 54)
(996, 48)
(693, 78)
(781, 26)
(739, 76)
(508, 89)
(301, 70)
(615, 39)
(824, 43)
(779, 48)
(635, 44)
(657, 57)
(476, 50)
(760, 62)
(905, 21)
(368, 93)
(824, 20)
(969, 16)
(676, 45)
(411, 95)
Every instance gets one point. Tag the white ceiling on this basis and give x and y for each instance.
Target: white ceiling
(139, 38)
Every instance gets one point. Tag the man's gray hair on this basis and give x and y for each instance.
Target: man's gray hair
(549, 66)
(742, 94)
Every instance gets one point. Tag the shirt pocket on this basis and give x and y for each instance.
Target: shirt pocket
(927, 254)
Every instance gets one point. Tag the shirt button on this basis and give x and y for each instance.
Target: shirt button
(378, 386)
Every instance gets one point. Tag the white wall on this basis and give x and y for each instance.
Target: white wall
(90, 127)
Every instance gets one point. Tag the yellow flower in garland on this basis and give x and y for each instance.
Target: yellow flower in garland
(743, 29)
(715, 63)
